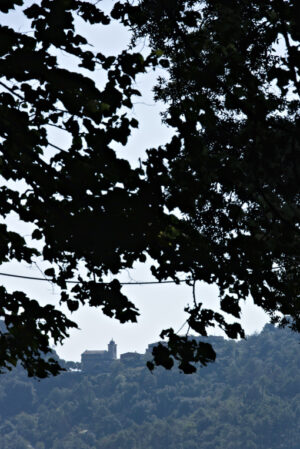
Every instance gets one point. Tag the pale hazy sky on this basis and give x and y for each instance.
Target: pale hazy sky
(161, 306)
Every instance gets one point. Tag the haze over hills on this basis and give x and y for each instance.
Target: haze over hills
(248, 399)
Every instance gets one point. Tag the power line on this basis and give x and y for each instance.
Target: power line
(32, 278)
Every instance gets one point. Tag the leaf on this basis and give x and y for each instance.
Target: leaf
(159, 52)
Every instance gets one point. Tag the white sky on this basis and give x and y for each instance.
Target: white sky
(161, 306)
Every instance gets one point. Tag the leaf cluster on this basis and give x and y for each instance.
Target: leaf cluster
(218, 203)
(231, 171)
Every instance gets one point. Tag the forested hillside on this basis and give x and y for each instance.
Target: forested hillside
(248, 399)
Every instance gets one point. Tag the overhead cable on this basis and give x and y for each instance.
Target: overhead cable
(32, 278)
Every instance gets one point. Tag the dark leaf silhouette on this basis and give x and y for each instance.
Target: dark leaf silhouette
(218, 203)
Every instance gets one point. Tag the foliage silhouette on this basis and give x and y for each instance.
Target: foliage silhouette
(231, 170)
(83, 202)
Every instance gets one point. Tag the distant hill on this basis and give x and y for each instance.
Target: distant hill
(248, 399)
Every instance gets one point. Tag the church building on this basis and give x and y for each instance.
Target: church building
(93, 361)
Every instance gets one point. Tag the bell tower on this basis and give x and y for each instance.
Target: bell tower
(112, 350)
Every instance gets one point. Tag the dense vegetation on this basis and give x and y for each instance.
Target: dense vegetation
(211, 205)
(249, 399)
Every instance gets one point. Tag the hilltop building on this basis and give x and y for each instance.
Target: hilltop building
(92, 361)
(131, 358)
(112, 349)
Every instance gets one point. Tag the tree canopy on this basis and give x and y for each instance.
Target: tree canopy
(219, 202)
